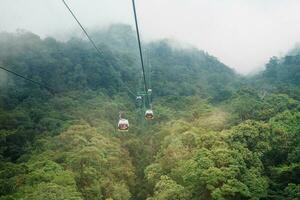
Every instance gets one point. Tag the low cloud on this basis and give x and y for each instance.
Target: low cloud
(242, 34)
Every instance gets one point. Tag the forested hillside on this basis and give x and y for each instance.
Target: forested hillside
(281, 75)
(216, 135)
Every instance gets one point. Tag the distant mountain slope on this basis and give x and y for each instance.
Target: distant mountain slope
(190, 71)
(174, 70)
(284, 70)
(281, 75)
(74, 65)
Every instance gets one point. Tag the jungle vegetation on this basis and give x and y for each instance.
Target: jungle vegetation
(216, 135)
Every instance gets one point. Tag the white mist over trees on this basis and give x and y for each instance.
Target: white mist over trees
(215, 136)
(242, 34)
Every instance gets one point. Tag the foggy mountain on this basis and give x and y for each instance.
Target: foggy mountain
(79, 121)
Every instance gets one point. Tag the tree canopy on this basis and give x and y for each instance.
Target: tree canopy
(216, 135)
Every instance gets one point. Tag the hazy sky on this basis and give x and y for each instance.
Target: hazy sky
(243, 34)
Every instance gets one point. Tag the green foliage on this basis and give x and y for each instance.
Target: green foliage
(215, 135)
(38, 180)
(284, 70)
(232, 164)
(248, 104)
(99, 163)
(167, 189)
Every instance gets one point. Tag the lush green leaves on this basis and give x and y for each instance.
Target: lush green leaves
(211, 137)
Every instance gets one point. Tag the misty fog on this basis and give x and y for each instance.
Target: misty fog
(242, 34)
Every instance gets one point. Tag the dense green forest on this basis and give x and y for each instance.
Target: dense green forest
(216, 135)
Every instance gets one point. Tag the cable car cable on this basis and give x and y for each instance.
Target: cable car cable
(140, 49)
(83, 29)
(51, 90)
(131, 92)
(101, 53)
(139, 43)
(92, 42)
(149, 75)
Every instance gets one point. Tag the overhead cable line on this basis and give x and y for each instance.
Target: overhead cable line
(140, 46)
(42, 85)
(51, 90)
(83, 29)
(92, 42)
(131, 92)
